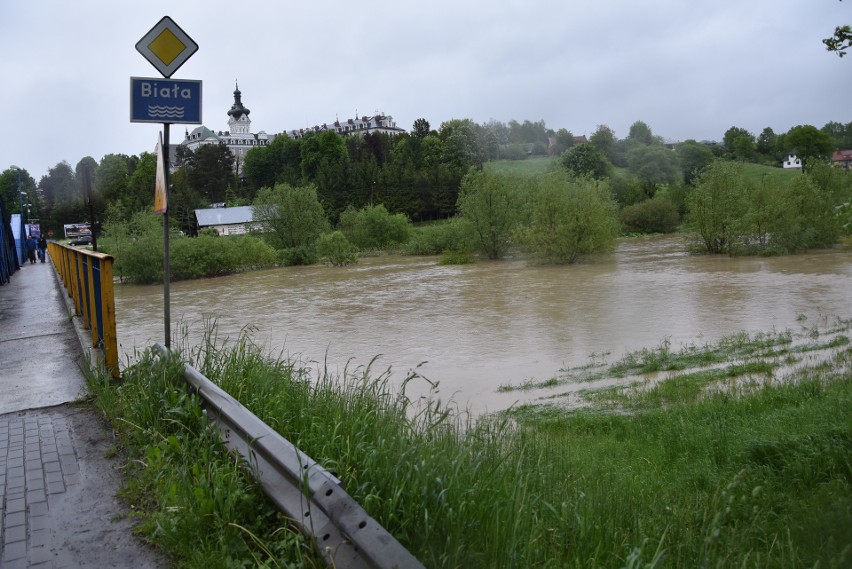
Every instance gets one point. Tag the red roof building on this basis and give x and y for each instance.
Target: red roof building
(842, 159)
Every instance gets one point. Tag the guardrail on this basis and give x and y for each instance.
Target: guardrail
(305, 491)
(87, 276)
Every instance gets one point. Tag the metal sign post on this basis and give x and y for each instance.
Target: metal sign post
(166, 46)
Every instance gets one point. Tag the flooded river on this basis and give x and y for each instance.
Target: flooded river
(480, 326)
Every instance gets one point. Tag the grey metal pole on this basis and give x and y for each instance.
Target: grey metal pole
(167, 317)
(21, 197)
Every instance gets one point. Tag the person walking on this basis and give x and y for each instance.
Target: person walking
(31, 249)
(42, 247)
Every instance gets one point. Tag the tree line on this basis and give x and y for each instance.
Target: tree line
(418, 174)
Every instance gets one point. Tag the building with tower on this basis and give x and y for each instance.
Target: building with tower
(238, 138)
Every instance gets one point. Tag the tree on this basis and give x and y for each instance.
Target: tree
(209, 171)
(491, 205)
(842, 134)
(693, 157)
(586, 160)
(640, 133)
(809, 143)
(420, 129)
(325, 163)
(112, 176)
(840, 41)
(654, 165)
(293, 215)
(716, 206)
(604, 140)
(738, 143)
(570, 218)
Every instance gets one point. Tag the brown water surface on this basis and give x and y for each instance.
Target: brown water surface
(488, 324)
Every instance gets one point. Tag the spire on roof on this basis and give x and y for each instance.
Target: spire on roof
(237, 109)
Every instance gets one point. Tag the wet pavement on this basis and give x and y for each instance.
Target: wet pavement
(58, 505)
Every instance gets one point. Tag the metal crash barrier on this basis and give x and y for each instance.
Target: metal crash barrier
(305, 491)
(87, 276)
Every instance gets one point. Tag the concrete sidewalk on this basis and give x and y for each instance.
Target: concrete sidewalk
(58, 505)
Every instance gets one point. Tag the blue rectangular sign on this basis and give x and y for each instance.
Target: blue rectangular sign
(165, 100)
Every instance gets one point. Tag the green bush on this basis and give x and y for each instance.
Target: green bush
(335, 249)
(455, 234)
(372, 227)
(301, 255)
(656, 215)
(137, 246)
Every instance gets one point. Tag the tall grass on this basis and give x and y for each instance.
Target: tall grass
(757, 475)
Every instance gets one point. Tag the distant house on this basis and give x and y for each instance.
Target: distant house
(227, 220)
(842, 159)
(792, 161)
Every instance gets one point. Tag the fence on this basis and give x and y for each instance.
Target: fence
(305, 491)
(87, 277)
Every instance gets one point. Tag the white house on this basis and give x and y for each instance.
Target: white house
(792, 161)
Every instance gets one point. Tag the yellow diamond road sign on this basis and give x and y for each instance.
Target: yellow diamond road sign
(166, 46)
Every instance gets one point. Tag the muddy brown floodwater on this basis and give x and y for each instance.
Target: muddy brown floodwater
(487, 324)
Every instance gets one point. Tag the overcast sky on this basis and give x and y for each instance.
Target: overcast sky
(687, 68)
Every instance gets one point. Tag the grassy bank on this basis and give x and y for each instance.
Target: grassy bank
(756, 474)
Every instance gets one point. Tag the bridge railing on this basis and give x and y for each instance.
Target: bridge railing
(87, 276)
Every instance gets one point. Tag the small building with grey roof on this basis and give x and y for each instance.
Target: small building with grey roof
(228, 220)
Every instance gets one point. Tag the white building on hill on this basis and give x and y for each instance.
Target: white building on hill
(238, 138)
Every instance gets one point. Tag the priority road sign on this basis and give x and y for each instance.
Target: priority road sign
(166, 46)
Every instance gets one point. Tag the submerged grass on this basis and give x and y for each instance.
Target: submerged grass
(755, 474)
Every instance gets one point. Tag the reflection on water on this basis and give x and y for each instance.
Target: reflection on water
(491, 323)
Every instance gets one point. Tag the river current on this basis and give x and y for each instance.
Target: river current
(477, 327)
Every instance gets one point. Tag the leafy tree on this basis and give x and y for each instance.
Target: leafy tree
(140, 187)
(840, 41)
(9, 191)
(604, 140)
(325, 162)
(462, 145)
(654, 165)
(293, 216)
(491, 205)
(420, 129)
(570, 218)
(112, 176)
(278, 161)
(809, 143)
(767, 144)
(640, 133)
(807, 218)
(841, 133)
(62, 202)
(738, 143)
(716, 206)
(210, 170)
(693, 157)
(586, 160)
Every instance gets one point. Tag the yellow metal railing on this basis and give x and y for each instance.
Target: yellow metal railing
(87, 277)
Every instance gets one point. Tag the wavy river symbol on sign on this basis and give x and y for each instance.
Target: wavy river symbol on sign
(163, 112)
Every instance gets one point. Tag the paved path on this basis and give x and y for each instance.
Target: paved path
(57, 488)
